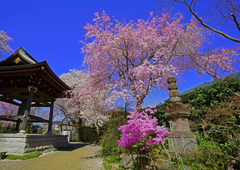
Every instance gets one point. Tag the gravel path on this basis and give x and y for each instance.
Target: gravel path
(82, 158)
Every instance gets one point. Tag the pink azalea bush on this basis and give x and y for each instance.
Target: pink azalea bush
(142, 126)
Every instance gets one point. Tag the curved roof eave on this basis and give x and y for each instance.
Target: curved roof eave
(55, 76)
(42, 64)
(23, 55)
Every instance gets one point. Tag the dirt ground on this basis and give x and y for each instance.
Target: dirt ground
(82, 158)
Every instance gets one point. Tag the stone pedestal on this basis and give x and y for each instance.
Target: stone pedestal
(22, 144)
(177, 114)
(186, 143)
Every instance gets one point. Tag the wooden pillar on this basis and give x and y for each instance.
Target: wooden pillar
(17, 126)
(80, 127)
(27, 110)
(50, 119)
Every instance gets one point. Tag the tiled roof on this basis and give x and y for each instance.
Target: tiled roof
(238, 77)
(208, 84)
(26, 55)
(27, 58)
(202, 85)
(235, 75)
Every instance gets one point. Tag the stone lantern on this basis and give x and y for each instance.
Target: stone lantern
(177, 114)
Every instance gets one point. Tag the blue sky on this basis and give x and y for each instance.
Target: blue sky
(51, 31)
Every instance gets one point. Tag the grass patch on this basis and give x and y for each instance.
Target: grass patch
(120, 169)
(63, 148)
(134, 167)
(25, 157)
(98, 156)
(113, 159)
(107, 166)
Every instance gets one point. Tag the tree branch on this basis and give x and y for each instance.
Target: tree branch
(205, 25)
(235, 20)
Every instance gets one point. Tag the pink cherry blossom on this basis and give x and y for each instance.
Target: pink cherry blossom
(138, 56)
(4, 39)
(86, 99)
(7, 109)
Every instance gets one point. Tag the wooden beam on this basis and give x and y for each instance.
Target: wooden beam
(41, 101)
(10, 101)
(12, 90)
(20, 97)
(17, 96)
(38, 105)
(7, 119)
(38, 121)
(45, 96)
(17, 117)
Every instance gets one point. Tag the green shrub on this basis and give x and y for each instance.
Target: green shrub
(113, 159)
(40, 130)
(55, 132)
(202, 99)
(107, 166)
(110, 136)
(215, 120)
(88, 134)
(98, 156)
(160, 115)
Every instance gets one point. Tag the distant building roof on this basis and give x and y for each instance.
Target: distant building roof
(208, 84)
(202, 85)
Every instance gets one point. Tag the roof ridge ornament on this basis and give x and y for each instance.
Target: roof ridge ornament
(17, 60)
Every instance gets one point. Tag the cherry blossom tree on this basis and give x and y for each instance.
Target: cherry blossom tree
(7, 109)
(61, 108)
(4, 39)
(86, 100)
(137, 56)
(221, 13)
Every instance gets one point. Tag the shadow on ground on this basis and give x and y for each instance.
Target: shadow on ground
(76, 145)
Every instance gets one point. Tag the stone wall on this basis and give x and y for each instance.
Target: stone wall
(22, 144)
(71, 131)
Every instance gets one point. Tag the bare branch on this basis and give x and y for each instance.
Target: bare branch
(190, 8)
(207, 26)
(235, 20)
